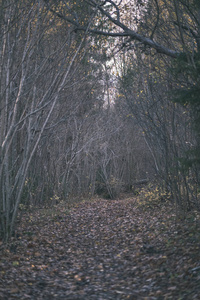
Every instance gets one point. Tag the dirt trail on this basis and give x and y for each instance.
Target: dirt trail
(103, 250)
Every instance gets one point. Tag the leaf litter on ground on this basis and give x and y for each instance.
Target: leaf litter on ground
(118, 249)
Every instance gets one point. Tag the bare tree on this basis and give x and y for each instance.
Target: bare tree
(34, 73)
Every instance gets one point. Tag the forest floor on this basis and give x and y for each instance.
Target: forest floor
(103, 249)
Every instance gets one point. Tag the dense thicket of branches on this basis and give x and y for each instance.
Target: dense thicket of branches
(95, 96)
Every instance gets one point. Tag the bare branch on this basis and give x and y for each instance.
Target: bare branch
(157, 20)
(123, 29)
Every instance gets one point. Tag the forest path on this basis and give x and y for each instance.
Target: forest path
(102, 250)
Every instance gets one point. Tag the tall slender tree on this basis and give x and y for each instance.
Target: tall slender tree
(33, 75)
